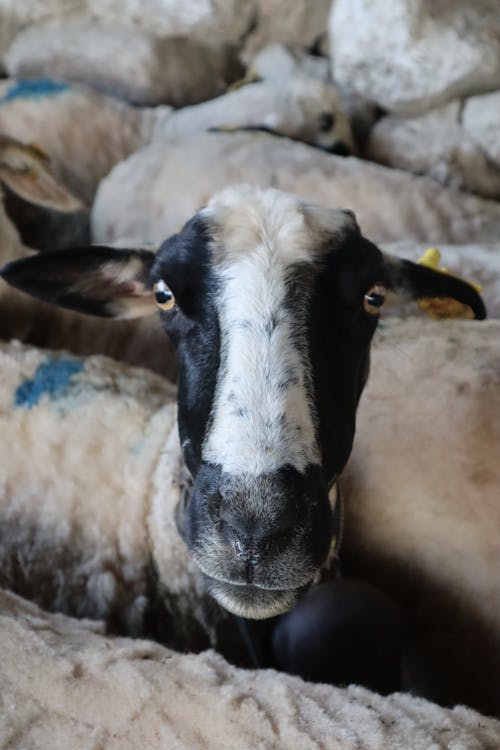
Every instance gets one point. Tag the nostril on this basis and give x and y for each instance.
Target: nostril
(248, 551)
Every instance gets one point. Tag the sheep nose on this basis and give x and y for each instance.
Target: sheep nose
(248, 551)
(261, 527)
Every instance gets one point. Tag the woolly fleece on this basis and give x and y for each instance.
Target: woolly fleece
(63, 684)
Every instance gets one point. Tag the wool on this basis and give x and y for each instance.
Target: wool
(63, 683)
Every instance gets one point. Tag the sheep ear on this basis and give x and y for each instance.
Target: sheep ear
(25, 170)
(420, 282)
(104, 281)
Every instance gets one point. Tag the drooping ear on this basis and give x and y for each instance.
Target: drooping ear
(420, 282)
(25, 170)
(104, 281)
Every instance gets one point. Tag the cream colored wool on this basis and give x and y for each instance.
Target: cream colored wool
(136, 66)
(221, 21)
(436, 144)
(78, 485)
(64, 685)
(83, 132)
(413, 55)
(422, 498)
(153, 192)
(89, 481)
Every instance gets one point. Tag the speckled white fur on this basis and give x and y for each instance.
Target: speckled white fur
(263, 417)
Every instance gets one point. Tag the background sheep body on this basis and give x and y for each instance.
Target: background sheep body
(131, 201)
(84, 133)
(61, 676)
(94, 522)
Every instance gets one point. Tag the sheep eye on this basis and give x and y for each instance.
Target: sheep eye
(163, 296)
(374, 299)
(326, 122)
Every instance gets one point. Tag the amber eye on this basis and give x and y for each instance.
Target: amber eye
(374, 299)
(163, 296)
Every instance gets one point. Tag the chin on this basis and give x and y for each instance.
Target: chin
(250, 601)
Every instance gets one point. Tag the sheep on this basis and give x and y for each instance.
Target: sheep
(34, 200)
(134, 65)
(153, 192)
(89, 548)
(279, 62)
(299, 107)
(123, 48)
(70, 122)
(64, 681)
(84, 133)
(258, 277)
(46, 213)
(223, 25)
(437, 144)
(28, 187)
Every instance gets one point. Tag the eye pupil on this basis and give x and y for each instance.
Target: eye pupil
(374, 299)
(163, 296)
(377, 300)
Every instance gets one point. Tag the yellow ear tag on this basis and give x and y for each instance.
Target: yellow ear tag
(440, 308)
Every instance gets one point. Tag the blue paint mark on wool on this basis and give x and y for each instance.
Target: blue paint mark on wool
(35, 88)
(51, 378)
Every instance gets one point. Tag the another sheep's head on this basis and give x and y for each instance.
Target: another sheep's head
(38, 205)
(276, 303)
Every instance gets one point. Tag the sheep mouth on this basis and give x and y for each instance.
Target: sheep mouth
(250, 601)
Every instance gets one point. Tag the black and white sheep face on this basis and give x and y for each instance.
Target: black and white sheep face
(258, 279)
(276, 305)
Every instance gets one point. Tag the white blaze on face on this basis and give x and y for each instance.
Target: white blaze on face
(262, 417)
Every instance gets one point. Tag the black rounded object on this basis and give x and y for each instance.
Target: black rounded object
(341, 632)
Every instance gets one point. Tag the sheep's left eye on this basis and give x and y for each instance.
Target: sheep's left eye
(163, 296)
(374, 299)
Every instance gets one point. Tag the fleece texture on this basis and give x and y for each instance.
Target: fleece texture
(81, 442)
(63, 684)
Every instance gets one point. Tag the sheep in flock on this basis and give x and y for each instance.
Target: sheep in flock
(272, 304)
(33, 199)
(70, 122)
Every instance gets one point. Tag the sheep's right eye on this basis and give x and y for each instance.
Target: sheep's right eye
(163, 295)
(374, 299)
